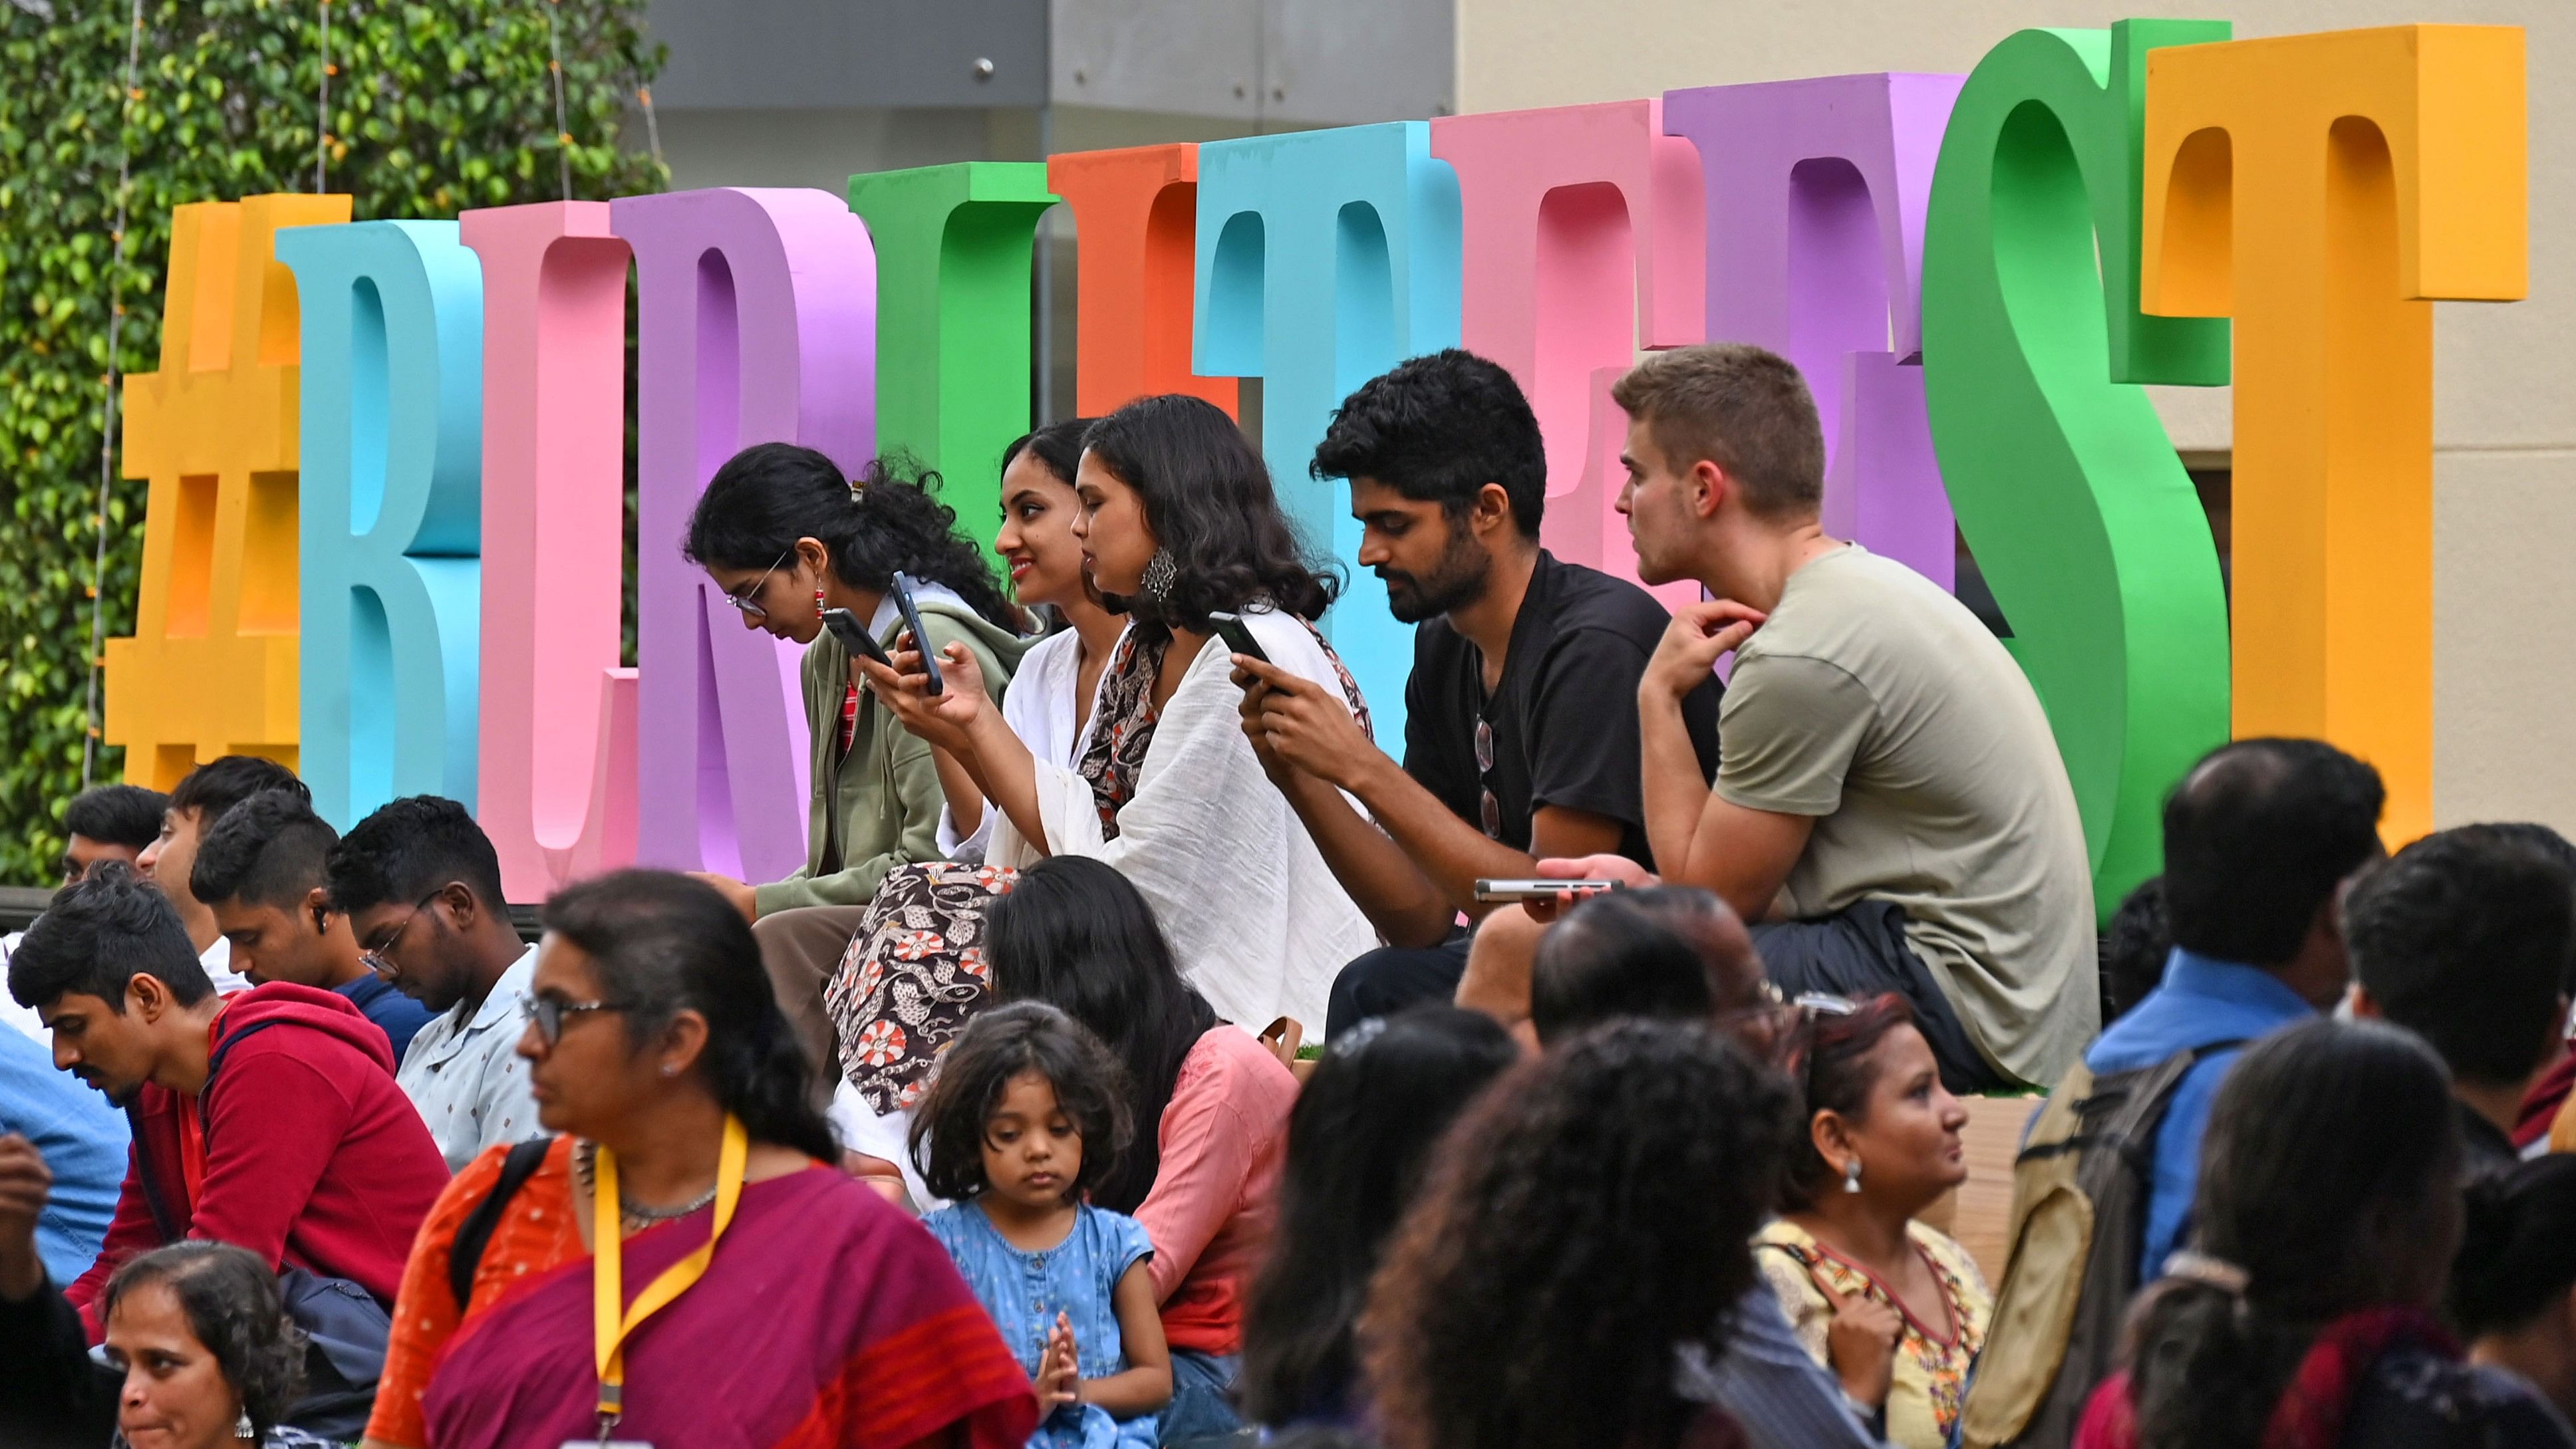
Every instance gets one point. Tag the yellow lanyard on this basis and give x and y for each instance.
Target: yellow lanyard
(608, 1288)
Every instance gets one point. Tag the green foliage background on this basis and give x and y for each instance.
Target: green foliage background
(434, 108)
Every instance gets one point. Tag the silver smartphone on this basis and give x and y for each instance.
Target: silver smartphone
(1509, 891)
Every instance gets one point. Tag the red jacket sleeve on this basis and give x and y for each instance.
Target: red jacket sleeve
(278, 1121)
(132, 1231)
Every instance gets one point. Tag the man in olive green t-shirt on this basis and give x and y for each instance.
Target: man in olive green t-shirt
(1890, 807)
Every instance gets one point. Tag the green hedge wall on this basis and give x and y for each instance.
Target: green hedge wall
(434, 108)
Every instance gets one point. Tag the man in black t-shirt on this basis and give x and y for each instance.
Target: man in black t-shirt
(1521, 724)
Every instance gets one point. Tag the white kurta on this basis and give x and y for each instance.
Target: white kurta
(1038, 707)
(1255, 917)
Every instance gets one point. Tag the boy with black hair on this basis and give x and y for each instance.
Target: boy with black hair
(201, 800)
(109, 822)
(269, 1120)
(261, 871)
(1518, 742)
(421, 887)
(2464, 938)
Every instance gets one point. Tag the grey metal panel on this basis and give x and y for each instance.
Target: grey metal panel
(1177, 57)
(1345, 62)
(793, 54)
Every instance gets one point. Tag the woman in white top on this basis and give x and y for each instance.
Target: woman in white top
(1178, 521)
(1050, 700)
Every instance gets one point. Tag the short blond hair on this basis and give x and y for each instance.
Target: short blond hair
(1743, 408)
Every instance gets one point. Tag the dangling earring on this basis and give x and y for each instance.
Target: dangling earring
(818, 597)
(1851, 1174)
(1160, 572)
(242, 1427)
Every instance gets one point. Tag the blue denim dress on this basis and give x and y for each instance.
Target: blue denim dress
(1025, 1291)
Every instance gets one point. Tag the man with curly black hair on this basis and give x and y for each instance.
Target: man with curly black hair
(1519, 742)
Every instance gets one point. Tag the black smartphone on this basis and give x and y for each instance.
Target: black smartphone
(920, 637)
(1238, 638)
(854, 636)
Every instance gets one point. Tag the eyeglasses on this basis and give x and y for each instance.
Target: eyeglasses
(745, 600)
(377, 958)
(1487, 807)
(548, 1012)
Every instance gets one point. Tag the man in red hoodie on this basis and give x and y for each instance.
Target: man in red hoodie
(268, 1119)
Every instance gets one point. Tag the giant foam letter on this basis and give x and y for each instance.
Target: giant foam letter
(2320, 189)
(2081, 516)
(391, 508)
(1325, 258)
(1135, 212)
(557, 720)
(1583, 229)
(211, 667)
(757, 323)
(1816, 190)
(953, 245)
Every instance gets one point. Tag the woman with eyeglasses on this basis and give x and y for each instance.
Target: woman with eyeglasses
(788, 538)
(1178, 523)
(1896, 1309)
(676, 1265)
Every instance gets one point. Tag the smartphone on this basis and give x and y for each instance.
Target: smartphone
(920, 636)
(1540, 890)
(1238, 638)
(854, 636)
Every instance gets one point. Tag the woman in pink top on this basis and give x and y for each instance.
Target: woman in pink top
(1074, 933)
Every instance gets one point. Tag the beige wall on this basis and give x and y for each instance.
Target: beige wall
(2505, 384)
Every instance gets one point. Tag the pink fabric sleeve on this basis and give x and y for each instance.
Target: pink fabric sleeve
(1208, 1154)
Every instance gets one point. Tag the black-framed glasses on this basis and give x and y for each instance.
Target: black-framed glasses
(378, 957)
(748, 599)
(548, 1012)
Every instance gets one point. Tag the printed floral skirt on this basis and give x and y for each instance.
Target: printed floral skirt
(911, 976)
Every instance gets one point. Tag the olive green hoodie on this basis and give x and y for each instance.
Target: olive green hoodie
(878, 806)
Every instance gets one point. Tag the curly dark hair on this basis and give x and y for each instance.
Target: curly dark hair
(771, 494)
(2518, 1248)
(998, 1045)
(101, 933)
(1591, 1213)
(409, 847)
(234, 1309)
(1832, 1072)
(1438, 428)
(2134, 948)
(1208, 498)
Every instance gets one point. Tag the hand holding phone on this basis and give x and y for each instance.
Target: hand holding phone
(920, 637)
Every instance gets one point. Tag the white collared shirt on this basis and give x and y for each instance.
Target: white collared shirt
(465, 1074)
(218, 961)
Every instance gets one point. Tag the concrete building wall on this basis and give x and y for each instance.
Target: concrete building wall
(2505, 387)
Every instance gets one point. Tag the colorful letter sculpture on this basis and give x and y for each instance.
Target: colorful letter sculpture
(392, 510)
(1135, 214)
(1816, 193)
(757, 309)
(211, 669)
(953, 245)
(557, 720)
(1583, 228)
(1325, 258)
(2081, 517)
(2320, 189)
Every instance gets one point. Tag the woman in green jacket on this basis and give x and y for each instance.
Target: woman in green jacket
(786, 537)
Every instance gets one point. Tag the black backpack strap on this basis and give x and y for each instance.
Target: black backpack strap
(473, 1235)
(164, 1221)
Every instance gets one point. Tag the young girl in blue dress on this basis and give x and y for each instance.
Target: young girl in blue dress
(1025, 1116)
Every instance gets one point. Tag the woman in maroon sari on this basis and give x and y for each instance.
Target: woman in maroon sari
(768, 1302)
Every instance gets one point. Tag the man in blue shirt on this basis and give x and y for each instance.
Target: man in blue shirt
(260, 870)
(2260, 837)
(83, 1141)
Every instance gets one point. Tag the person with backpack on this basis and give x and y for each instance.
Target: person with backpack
(268, 1119)
(2259, 838)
